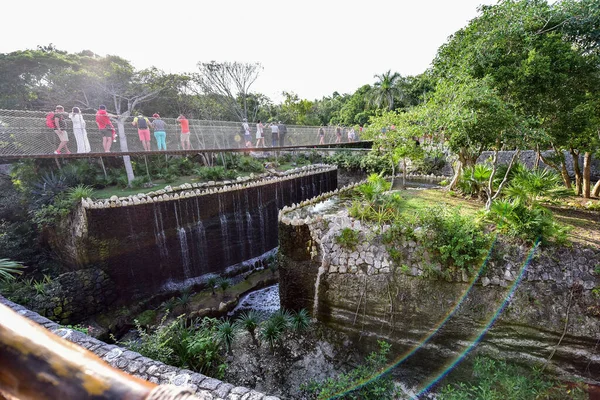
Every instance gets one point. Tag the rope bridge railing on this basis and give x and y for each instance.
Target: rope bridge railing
(25, 134)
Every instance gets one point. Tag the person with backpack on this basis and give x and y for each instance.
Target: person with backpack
(143, 125)
(56, 121)
(160, 131)
(81, 137)
(107, 130)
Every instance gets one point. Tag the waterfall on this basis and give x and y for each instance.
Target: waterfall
(201, 244)
(239, 223)
(224, 232)
(159, 233)
(321, 271)
(261, 212)
(185, 257)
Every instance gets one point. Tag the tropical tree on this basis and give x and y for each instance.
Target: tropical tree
(386, 90)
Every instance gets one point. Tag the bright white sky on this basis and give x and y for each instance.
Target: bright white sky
(312, 47)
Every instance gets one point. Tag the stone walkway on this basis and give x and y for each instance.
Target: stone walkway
(135, 364)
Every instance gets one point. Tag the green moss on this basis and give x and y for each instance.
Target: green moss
(147, 318)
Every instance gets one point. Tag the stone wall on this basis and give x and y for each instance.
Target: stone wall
(71, 297)
(204, 387)
(151, 242)
(528, 158)
(518, 305)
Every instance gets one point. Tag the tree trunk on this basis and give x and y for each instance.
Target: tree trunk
(562, 168)
(538, 156)
(454, 181)
(596, 189)
(123, 145)
(578, 176)
(404, 173)
(587, 172)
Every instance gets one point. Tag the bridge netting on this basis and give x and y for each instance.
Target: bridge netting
(25, 134)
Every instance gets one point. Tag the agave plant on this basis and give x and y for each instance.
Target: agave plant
(211, 283)
(48, 188)
(80, 192)
(300, 320)
(249, 320)
(226, 333)
(184, 300)
(224, 283)
(9, 268)
(271, 332)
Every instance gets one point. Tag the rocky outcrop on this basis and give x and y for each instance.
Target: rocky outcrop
(517, 308)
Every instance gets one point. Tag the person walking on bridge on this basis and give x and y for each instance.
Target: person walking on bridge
(60, 128)
(274, 133)
(143, 125)
(247, 135)
(160, 131)
(282, 133)
(81, 137)
(105, 127)
(185, 132)
(260, 136)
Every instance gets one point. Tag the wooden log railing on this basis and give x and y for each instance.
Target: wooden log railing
(37, 364)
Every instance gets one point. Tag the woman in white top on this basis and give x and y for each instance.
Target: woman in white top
(83, 144)
(260, 137)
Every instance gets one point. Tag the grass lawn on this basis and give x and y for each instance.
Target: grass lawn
(418, 200)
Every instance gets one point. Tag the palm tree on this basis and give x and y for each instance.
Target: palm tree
(385, 90)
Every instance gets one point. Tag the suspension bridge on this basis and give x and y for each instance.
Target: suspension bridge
(24, 134)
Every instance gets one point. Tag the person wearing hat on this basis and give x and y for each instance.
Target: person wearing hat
(143, 126)
(160, 131)
(247, 135)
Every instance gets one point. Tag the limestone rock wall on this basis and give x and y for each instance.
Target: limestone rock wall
(517, 308)
(135, 364)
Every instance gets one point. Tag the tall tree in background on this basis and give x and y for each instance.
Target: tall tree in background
(385, 90)
(229, 81)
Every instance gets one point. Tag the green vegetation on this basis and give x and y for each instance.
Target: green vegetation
(348, 238)
(498, 380)
(363, 382)
(9, 269)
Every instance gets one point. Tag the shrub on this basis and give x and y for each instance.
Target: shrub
(249, 164)
(474, 179)
(514, 219)
(48, 188)
(363, 382)
(226, 333)
(224, 284)
(210, 173)
(9, 269)
(75, 194)
(271, 332)
(457, 240)
(497, 380)
(249, 321)
(300, 320)
(348, 238)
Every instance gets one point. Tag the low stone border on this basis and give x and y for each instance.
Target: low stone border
(199, 189)
(135, 364)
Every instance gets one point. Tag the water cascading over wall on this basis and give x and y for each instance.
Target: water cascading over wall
(146, 248)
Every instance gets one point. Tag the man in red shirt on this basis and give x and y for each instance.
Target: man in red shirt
(106, 127)
(185, 132)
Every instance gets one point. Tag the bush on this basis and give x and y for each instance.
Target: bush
(249, 164)
(363, 382)
(456, 240)
(497, 380)
(348, 238)
(514, 219)
(79, 192)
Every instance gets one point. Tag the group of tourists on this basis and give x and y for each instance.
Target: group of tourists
(278, 133)
(57, 121)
